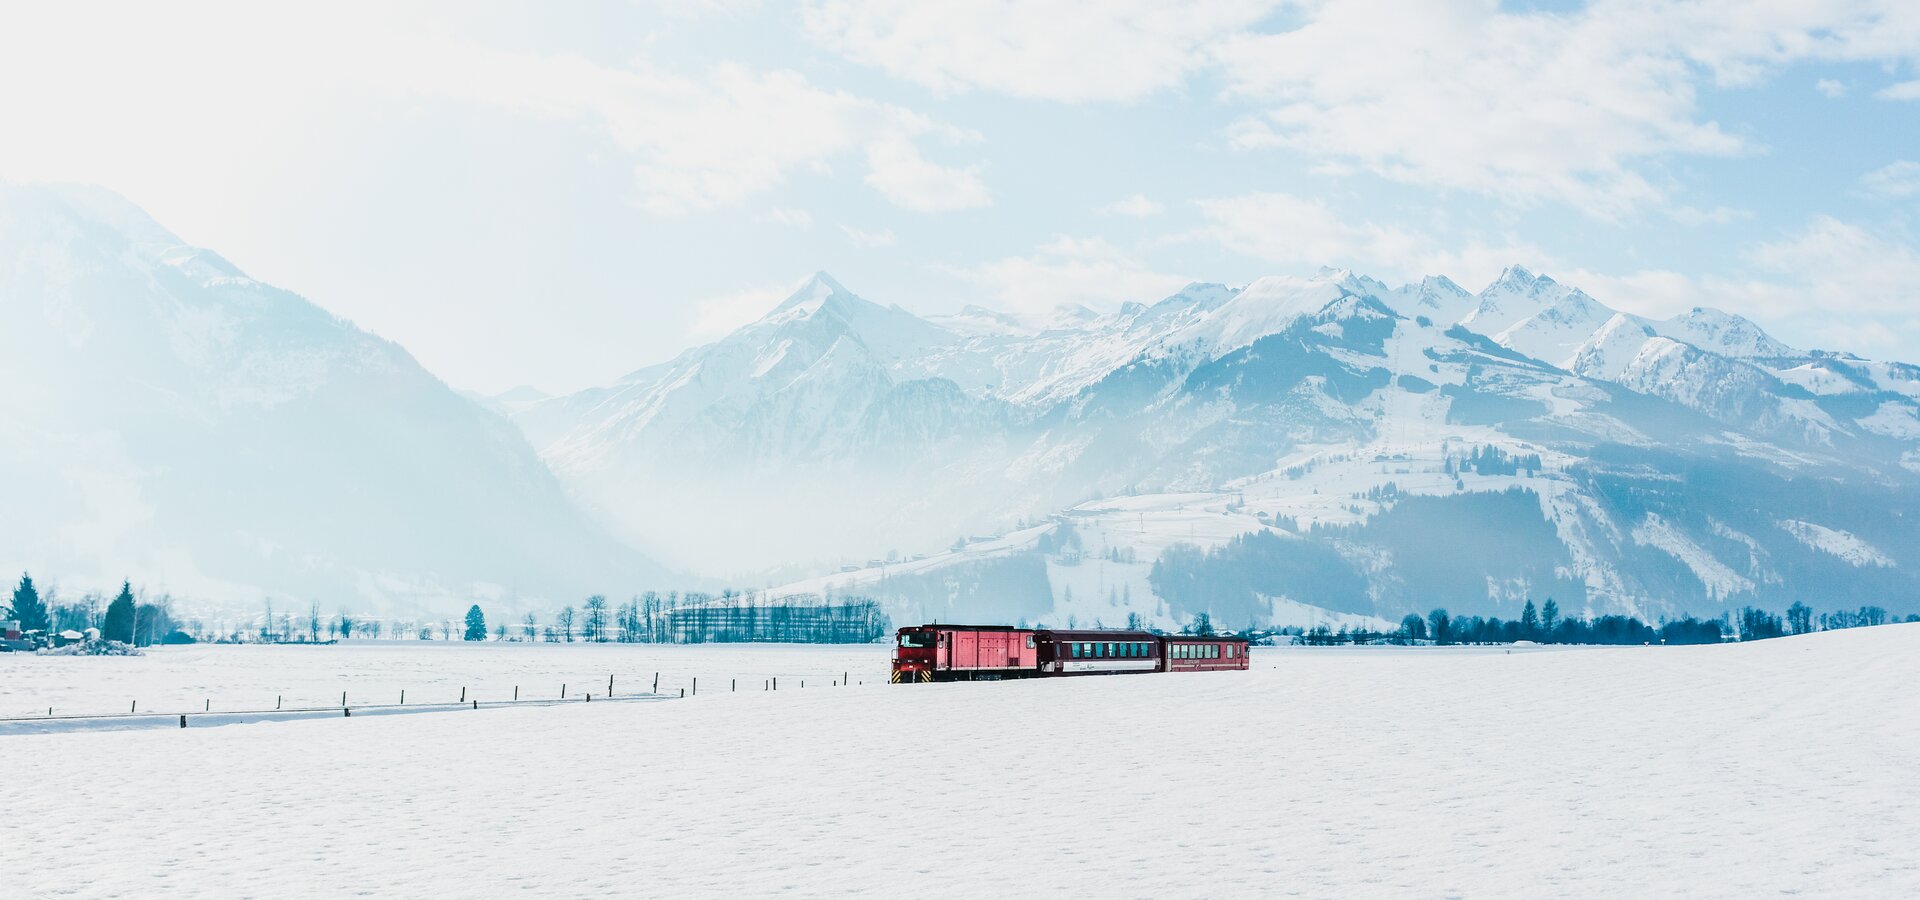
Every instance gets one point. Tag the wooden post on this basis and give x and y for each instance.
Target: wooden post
(609, 685)
(696, 684)
(563, 692)
(776, 682)
(476, 704)
(134, 708)
(343, 698)
(516, 693)
(656, 682)
(183, 720)
(276, 700)
(463, 693)
(346, 713)
(403, 696)
(209, 707)
(683, 693)
(735, 686)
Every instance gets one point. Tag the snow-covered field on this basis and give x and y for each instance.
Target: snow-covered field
(252, 677)
(1787, 766)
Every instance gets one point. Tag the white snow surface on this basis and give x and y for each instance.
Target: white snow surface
(1781, 767)
(1835, 542)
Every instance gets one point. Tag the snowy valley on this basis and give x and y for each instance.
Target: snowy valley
(1294, 451)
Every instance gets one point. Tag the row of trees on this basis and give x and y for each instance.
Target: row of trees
(125, 618)
(1546, 625)
(730, 617)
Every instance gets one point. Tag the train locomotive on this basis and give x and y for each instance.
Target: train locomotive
(928, 653)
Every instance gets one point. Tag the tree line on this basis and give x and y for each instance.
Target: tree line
(651, 617)
(1546, 625)
(127, 618)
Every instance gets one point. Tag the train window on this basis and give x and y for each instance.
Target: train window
(916, 639)
(1076, 650)
(1229, 651)
(1029, 642)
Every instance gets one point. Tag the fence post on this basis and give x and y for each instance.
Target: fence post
(476, 704)
(343, 698)
(516, 693)
(696, 684)
(656, 682)
(683, 693)
(403, 696)
(463, 693)
(735, 686)
(776, 682)
(609, 685)
(563, 692)
(183, 720)
(346, 713)
(209, 706)
(134, 708)
(276, 700)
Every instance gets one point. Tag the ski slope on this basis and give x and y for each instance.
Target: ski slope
(1788, 766)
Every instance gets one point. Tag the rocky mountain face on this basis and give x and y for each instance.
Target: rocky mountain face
(171, 420)
(1293, 450)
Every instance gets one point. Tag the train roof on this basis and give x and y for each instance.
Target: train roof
(1208, 638)
(1098, 634)
(942, 626)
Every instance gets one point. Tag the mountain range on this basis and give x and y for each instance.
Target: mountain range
(1294, 450)
(1289, 451)
(170, 420)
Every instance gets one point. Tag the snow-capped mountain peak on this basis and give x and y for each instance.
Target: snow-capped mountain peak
(1725, 334)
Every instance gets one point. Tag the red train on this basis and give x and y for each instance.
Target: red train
(988, 652)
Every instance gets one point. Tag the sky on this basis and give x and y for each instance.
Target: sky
(557, 194)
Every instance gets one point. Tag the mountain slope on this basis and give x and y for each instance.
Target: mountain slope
(178, 423)
(1294, 450)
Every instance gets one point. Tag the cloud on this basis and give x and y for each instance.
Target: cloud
(1905, 90)
(1844, 269)
(1286, 230)
(909, 181)
(781, 215)
(1832, 284)
(1067, 270)
(1830, 88)
(696, 140)
(1900, 178)
(1528, 106)
(1136, 206)
(860, 238)
(720, 315)
(1062, 50)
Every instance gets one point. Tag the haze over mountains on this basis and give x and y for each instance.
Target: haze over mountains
(1290, 451)
(172, 421)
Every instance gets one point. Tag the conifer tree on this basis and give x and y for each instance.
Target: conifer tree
(119, 622)
(476, 624)
(28, 608)
(1529, 620)
(1549, 618)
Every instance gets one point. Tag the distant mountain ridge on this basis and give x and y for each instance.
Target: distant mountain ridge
(1354, 421)
(170, 420)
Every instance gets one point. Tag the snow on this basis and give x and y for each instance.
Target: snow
(255, 676)
(1781, 767)
(1835, 542)
(1720, 580)
(1893, 419)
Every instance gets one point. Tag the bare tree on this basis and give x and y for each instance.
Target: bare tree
(594, 629)
(565, 621)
